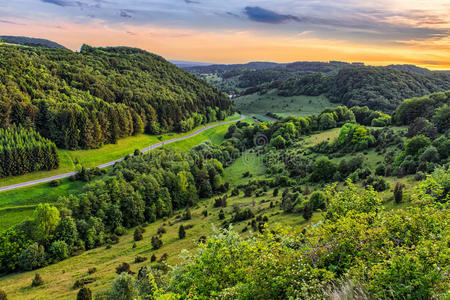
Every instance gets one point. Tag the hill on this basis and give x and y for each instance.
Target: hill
(28, 41)
(95, 97)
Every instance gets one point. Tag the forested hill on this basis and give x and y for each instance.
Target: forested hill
(83, 100)
(33, 42)
(381, 88)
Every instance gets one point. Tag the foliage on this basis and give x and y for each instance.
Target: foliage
(24, 150)
(99, 95)
(37, 280)
(84, 294)
(124, 287)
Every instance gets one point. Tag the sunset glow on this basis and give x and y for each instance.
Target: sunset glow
(376, 32)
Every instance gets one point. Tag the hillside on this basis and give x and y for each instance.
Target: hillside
(28, 41)
(95, 97)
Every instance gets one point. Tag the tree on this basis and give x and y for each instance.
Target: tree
(323, 169)
(84, 294)
(37, 280)
(32, 257)
(59, 250)
(156, 242)
(181, 232)
(442, 118)
(398, 192)
(307, 211)
(124, 287)
(138, 234)
(187, 214)
(317, 200)
(414, 145)
(46, 219)
(221, 214)
(278, 142)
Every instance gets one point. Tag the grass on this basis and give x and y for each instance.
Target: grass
(284, 106)
(248, 162)
(94, 157)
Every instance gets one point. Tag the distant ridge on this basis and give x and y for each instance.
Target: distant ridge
(28, 41)
(188, 64)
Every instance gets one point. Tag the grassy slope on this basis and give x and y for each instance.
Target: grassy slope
(17, 286)
(285, 106)
(17, 205)
(94, 157)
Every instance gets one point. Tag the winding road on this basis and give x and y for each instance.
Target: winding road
(108, 164)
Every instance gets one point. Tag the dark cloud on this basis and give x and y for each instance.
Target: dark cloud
(124, 13)
(10, 22)
(262, 15)
(191, 2)
(62, 3)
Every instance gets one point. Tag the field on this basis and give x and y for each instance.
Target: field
(284, 106)
(94, 157)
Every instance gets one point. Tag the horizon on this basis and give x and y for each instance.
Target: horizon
(377, 33)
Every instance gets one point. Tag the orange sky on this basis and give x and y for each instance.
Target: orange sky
(421, 40)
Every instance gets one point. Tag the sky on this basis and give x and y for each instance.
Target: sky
(377, 32)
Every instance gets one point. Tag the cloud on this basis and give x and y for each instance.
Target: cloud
(124, 13)
(63, 3)
(191, 2)
(262, 15)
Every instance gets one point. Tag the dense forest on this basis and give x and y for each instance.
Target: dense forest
(24, 150)
(28, 41)
(97, 96)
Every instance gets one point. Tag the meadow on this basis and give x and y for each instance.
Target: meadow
(299, 106)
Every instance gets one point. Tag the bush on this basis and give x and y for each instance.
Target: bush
(138, 234)
(59, 250)
(398, 192)
(32, 257)
(242, 215)
(187, 214)
(153, 258)
(55, 183)
(3, 295)
(221, 214)
(37, 281)
(161, 230)
(380, 170)
(124, 287)
(156, 242)
(181, 232)
(84, 294)
(82, 282)
(123, 268)
(92, 270)
(140, 259)
(317, 200)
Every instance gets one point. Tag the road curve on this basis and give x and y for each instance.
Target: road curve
(108, 164)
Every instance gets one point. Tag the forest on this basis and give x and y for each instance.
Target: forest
(24, 150)
(379, 88)
(99, 95)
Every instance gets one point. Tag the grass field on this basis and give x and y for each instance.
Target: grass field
(94, 157)
(284, 106)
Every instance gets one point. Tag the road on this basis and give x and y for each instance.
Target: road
(108, 164)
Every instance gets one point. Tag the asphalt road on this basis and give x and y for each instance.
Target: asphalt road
(108, 164)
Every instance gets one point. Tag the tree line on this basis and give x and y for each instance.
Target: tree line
(24, 150)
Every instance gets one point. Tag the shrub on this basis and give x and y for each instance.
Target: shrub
(124, 287)
(380, 170)
(181, 232)
(123, 267)
(153, 258)
(92, 270)
(59, 250)
(187, 214)
(221, 214)
(398, 192)
(140, 259)
(156, 242)
(82, 282)
(275, 192)
(55, 183)
(163, 257)
(3, 295)
(317, 200)
(37, 281)
(138, 236)
(84, 294)
(242, 215)
(32, 257)
(205, 213)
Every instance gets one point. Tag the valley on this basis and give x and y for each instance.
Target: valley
(313, 180)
